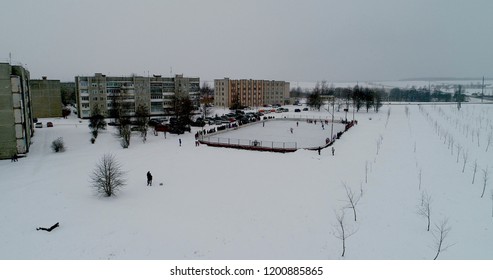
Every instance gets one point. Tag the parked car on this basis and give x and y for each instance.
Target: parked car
(154, 122)
(49, 124)
(297, 110)
(39, 125)
(305, 109)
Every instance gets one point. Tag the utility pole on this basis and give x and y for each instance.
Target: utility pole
(332, 125)
(482, 91)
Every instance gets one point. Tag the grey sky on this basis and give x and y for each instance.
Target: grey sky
(306, 40)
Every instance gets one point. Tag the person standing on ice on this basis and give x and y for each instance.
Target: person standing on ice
(291, 129)
(333, 150)
(149, 178)
(179, 141)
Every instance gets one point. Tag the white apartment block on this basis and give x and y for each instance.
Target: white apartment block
(154, 92)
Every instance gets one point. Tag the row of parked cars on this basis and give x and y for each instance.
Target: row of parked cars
(40, 124)
(239, 116)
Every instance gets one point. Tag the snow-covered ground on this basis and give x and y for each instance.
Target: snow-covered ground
(218, 203)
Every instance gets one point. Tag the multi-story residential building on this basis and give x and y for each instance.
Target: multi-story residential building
(16, 119)
(46, 98)
(250, 93)
(155, 93)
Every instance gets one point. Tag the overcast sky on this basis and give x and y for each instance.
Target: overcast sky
(306, 40)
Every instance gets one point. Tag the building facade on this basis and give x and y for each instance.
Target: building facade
(155, 93)
(16, 119)
(46, 98)
(249, 93)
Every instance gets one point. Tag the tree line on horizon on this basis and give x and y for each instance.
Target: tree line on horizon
(368, 98)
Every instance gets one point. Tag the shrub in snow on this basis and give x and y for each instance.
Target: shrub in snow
(107, 177)
(58, 145)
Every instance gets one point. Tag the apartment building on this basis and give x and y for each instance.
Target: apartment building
(250, 93)
(46, 98)
(156, 93)
(16, 119)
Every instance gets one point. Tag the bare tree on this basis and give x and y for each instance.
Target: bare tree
(474, 169)
(440, 233)
(366, 172)
(352, 199)
(459, 148)
(125, 134)
(425, 208)
(489, 140)
(58, 145)
(341, 232)
(107, 177)
(477, 135)
(388, 117)
(379, 143)
(451, 144)
(206, 95)
(465, 155)
(485, 179)
(142, 116)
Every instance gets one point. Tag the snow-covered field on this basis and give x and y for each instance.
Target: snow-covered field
(218, 203)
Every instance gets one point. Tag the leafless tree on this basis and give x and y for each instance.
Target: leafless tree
(142, 116)
(341, 231)
(352, 199)
(58, 145)
(425, 208)
(125, 134)
(379, 143)
(459, 149)
(477, 135)
(107, 177)
(489, 140)
(465, 155)
(440, 233)
(388, 117)
(366, 172)
(485, 179)
(474, 169)
(451, 144)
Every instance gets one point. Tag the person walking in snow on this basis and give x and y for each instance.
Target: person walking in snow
(333, 150)
(179, 141)
(291, 129)
(149, 178)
